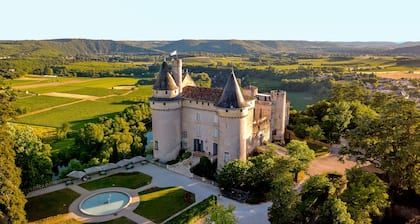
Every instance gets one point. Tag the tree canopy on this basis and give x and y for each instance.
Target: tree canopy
(12, 200)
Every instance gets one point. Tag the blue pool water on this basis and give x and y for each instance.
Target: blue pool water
(105, 203)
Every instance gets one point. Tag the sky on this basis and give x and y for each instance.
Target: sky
(313, 20)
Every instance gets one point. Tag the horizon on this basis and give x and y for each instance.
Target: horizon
(130, 20)
(64, 38)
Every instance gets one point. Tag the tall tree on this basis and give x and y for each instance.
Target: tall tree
(32, 156)
(391, 141)
(365, 195)
(12, 200)
(336, 120)
(334, 211)
(300, 155)
(283, 196)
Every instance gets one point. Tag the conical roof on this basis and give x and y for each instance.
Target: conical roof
(232, 96)
(188, 81)
(165, 80)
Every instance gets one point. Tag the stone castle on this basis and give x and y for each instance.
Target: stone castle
(223, 124)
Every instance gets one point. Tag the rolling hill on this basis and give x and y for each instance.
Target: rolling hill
(65, 47)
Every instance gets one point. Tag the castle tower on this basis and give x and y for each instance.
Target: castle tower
(166, 116)
(279, 115)
(177, 72)
(232, 110)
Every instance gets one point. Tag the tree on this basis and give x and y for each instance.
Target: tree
(32, 156)
(336, 120)
(64, 130)
(300, 155)
(365, 195)
(391, 141)
(315, 132)
(315, 192)
(219, 214)
(262, 172)
(283, 196)
(235, 174)
(334, 211)
(345, 91)
(202, 79)
(12, 200)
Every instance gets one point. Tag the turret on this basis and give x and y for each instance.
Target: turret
(279, 115)
(232, 110)
(177, 72)
(166, 116)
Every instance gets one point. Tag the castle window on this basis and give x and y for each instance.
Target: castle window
(184, 134)
(156, 145)
(215, 133)
(197, 116)
(197, 131)
(164, 104)
(215, 149)
(198, 145)
(227, 110)
(226, 157)
(166, 91)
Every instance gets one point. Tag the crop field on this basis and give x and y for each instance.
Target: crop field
(399, 74)
(53, 111)
(98, 66)
(33, 103)
(299, 100)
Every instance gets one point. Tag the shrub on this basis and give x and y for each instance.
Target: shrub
(205, 168)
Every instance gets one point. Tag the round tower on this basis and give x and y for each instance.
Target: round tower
(166, 116)
(232, 110)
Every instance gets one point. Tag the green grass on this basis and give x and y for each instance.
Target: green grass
(299, 100)
(194, 213)
(50, 204)
(121, 220)
(33, 103)
(158, 204)
(80, 113)
(96, 91)
(128, 180)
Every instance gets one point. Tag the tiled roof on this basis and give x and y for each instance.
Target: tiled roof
(201, 93)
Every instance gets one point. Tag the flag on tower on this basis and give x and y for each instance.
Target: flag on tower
(173, 53)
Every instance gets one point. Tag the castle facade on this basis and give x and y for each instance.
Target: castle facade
(223, 124)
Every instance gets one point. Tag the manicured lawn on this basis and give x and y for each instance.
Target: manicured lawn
(59, 219)
(194, 213)
(121, 220)
(50, 204)
(128, 180)
(158, 204)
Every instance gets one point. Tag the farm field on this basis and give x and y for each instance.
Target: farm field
(399, 74)
(299, 100)
(96, 97)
